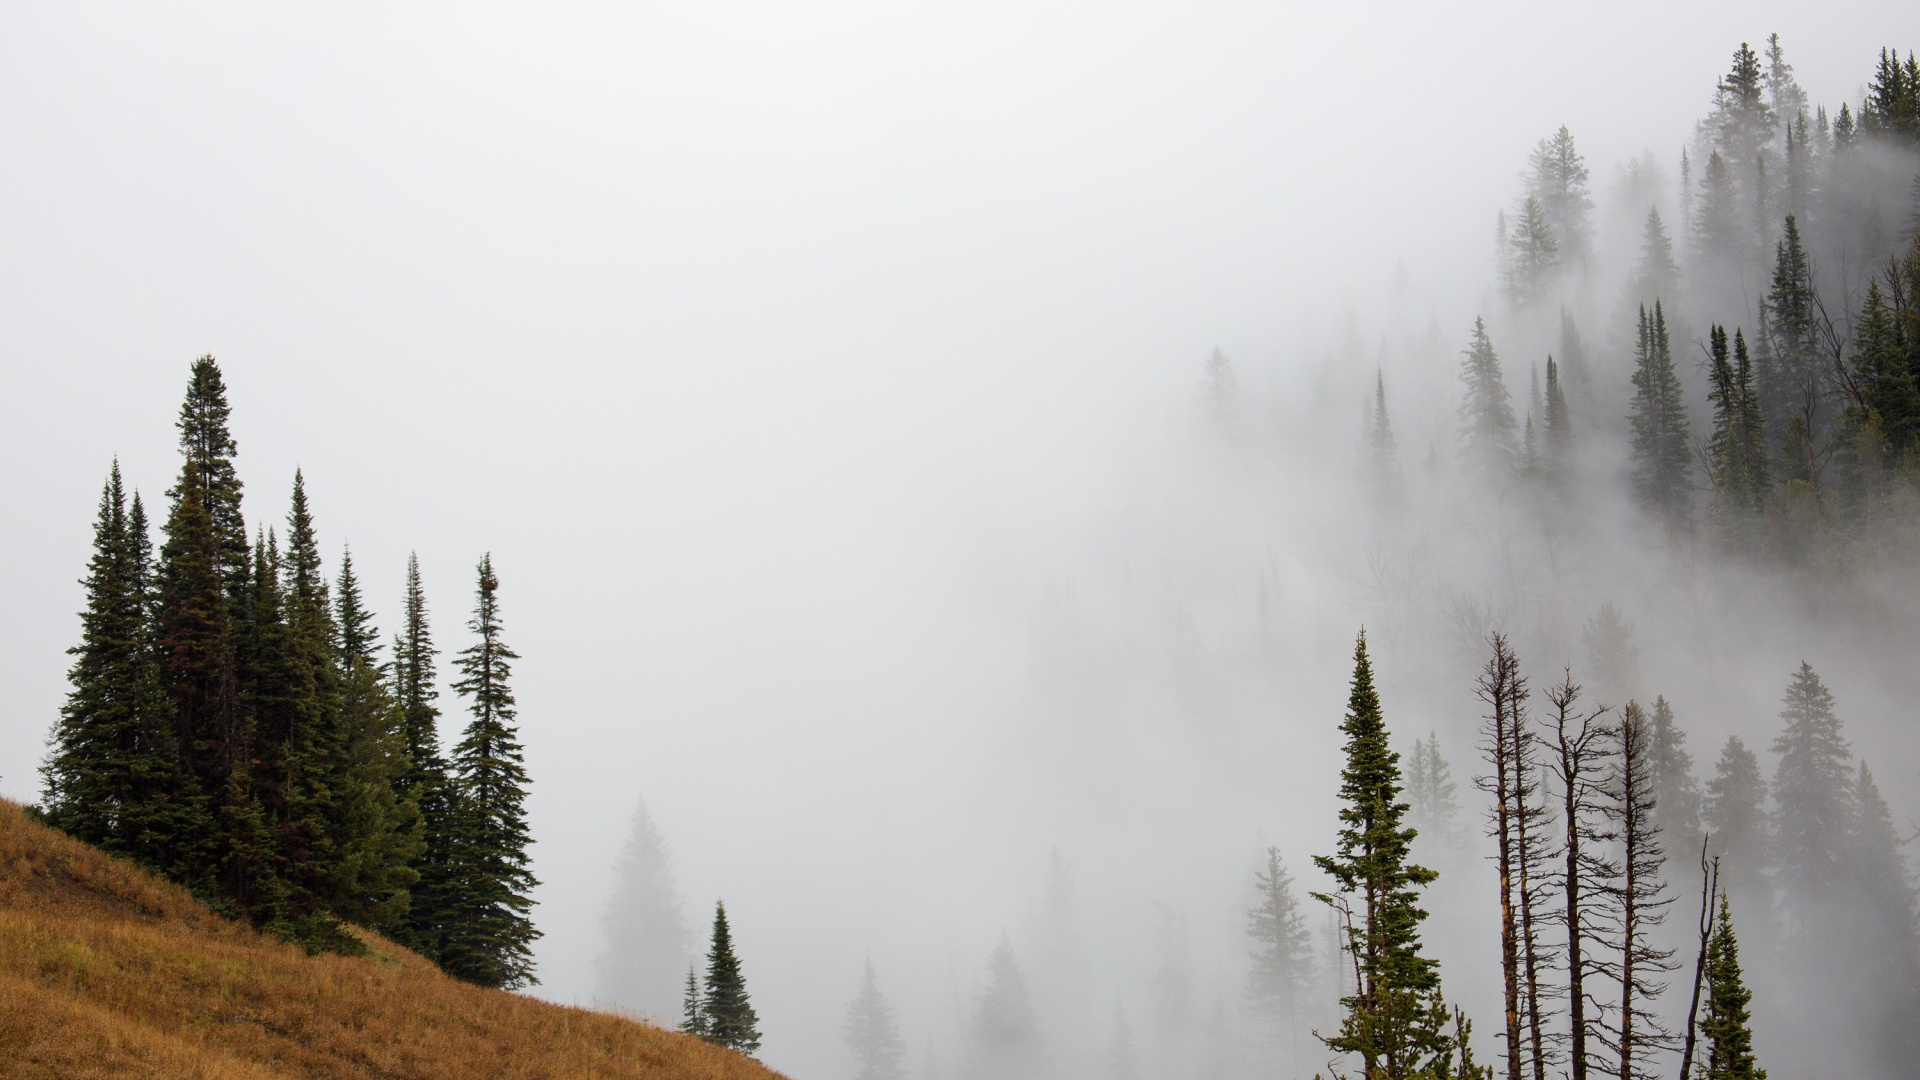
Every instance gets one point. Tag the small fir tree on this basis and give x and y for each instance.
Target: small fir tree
(726, 1014)
(1488, 430)
(1727, 1028)
(646, 939)
(1004, 1041)
(1282, 970)
(872, 1033)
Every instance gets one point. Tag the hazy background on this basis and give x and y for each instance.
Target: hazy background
(812, 374)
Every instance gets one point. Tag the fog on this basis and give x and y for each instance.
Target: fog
(826, 385)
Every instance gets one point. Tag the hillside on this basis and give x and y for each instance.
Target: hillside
(107, 971)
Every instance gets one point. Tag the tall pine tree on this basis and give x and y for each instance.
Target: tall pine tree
(726, 1013)
(1488, 431)
(1727, 1026)
(1661, 458)
(484, 931)
(425, 781)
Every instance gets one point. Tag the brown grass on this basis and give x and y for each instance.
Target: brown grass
(106, 971)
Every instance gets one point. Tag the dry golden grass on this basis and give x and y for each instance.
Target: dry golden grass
(106, 971)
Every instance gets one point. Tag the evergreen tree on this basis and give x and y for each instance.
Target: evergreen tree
(1886, 403)
(646, 937)
(1784, 95)
(425, 781)
(872, 1034)
(1752, 428)
(726, 1014)
(1573, 359)
(1611, 654)
(1557, 459)
(1386, 455)
(1813, 799)
(206, 441)
(1735, 813)
(1432, 794)
(1741, 124)
(113, 777)
(1282, 971)
(1533, 257)
(358, 638)
(1791, 382)
(1004, 1041)
(692, 1020)
(485, 935)
(1670, 779)
(1558, 181)
(1716, 222)
(1726, 1028)
(1736, 450)
(1396, 1021)
(1656, 276)
(1661, 458)
(1892, 106)
(1487, 427)
(1123, 1061)
(1882, 987)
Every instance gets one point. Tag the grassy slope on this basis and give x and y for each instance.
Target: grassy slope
(106, 971)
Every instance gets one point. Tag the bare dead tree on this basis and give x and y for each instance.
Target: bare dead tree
(1517, 822)
(1576, 762)
(1638, 898)
(1709, 885)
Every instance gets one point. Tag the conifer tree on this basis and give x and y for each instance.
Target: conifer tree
(1886, 403)
(1558, 181)
(1881, 980)
(1656, 276)
(207, 442)
(872, 1033)
(1727, 1029)
(358, 638)
(1533, 258)
(1812, 800)
(1791, 382)
(1557, 456)
(1611, 654)
(1736, 819)
(1784, 95)
(1433, 795)
(1573, 361)
(1396, 1021)
(1752, 426)
(726, 1014)
(1670, 779)
(1737, 449)
(1282, 970)
(1487, 426)
(425, 781)
(1004, 1041)
(1661, 459)
(692, 1020)
(485, 933)
(646, 939)
(1716, 228)
(1636, 900)
(1386, 455)
(113, 777)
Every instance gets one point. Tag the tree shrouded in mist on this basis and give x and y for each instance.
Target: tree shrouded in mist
(1282, 972)
(872, 1033)
(1004, 1041)
(645, 935)
(1662, 460)
(1488, 431)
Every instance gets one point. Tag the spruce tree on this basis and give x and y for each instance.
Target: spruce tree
(1670, 779)
(1813, 799)
(1658, 417)
(1004, 1041)
(1736, 449)
(359, 640)
(1752, 428)
(645, 935)
(1433, 795)
(1882, 977)
(1396, 1021)
(872, 1033)
(113, 776)
(1533, 258)
(1558, 180)
(1727, 1026)
(1716, 226)
(425, 781)
(1792, 383)
(1656, 276)
(692, 1021)
(1385, 453)
(1573, 361)
(484, 930)
(1487, 427)
(1735, 814)
(726, 1015)
(1886, 403)
(207, 442)
(1282, 969)
(1557, 458)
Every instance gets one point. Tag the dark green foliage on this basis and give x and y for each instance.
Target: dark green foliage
(1737, 464)
(1792, 382)
(692, 1022)
(358, 638)
(1487, 426)
(1726, 1027)
(1892, 107)
(484, 934)
(1662, 462)
(726, 1016)
(872, 1033)
(206, 441)
(1886, 403)
(114, 777)
(1396, 1021)
(377, 831)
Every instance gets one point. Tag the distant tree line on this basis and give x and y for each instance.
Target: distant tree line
(233, 725)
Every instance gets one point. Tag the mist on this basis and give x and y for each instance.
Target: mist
(829, 388)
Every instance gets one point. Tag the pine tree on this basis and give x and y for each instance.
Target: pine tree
(206, 441)
(1741, 124)
(692, 1020)
(1812, 799)
(1791, 382)
(1636, 900)
(1559, 181)
(1487, 426)
(1736, 450)
(1752, 428)
(1661, 458)
(1726, 1028)
(113, 777)
(1886, 403)
(1784, 95)
(377, 828)
(726, 1013)
(425, 781)
(1716, 226)
(1432, 794)
(1557, 456)
(1396, 1021)
(1882, 983)
(1656, 277)
(1573, 361)
(1611, 654)
(486, 933)
(1386, 455)
(1735, 814)
(1282, 971)
(1004, 1041)
(1533, 259)
(1670, 779)
(872, 1033)
(646, 936)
